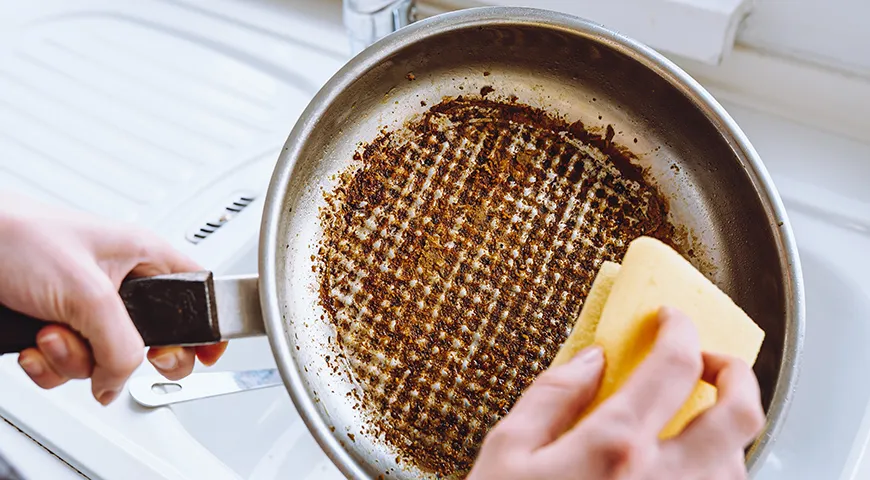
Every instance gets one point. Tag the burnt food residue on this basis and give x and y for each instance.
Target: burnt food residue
(456, 256)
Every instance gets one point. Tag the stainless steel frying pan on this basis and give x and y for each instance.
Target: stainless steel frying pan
(716, 186)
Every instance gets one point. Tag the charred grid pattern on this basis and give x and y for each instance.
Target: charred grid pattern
(456, 258)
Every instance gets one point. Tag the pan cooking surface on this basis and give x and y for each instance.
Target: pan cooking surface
(455, 258)
(321, 280)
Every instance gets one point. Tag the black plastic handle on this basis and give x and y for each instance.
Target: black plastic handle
(177, 309)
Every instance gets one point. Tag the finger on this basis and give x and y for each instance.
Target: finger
(729, 425)
(210, 354)
(662, 383)
(173, 363)
(99, 314)
(66, 352)
(552, 404)
(134, 252)
(158, 257)
(36, 367)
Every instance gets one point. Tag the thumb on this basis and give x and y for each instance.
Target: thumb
(550, 407)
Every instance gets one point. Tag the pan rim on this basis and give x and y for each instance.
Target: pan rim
(273, 211)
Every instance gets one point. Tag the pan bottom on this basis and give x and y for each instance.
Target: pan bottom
(455, 258)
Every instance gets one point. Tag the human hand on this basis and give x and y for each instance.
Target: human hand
(66, 267)
(619, 440)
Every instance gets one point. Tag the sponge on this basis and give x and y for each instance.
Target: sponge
(583, 333)
(623, 312)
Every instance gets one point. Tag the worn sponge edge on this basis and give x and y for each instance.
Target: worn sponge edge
(583, 333)
(653, 275)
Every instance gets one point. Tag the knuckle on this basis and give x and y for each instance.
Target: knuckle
(620, 414)
(683, 361)
(620, 450)
(147, 245)
(88, 295)
(128, 242)
(138, 244)
(744, 406)
(616, 415)
(554, 380)
(92, 294)
(748, 416)
(141, 247)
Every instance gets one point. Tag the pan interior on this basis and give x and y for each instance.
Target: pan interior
(723, 221)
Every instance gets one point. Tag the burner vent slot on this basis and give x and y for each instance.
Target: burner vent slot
(233, 207)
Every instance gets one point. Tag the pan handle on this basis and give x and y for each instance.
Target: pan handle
(176, 309)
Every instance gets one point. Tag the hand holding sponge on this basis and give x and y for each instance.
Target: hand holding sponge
(620, 315)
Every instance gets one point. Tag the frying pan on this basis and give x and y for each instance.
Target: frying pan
(717, 189)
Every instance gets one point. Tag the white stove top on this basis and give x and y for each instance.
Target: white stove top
(196, 98)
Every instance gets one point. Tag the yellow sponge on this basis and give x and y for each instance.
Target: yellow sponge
(653, 275)
(583, 334)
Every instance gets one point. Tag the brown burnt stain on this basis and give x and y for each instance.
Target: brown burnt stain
(411, 77)
(619, 155)
(456, 258)
(486, 90)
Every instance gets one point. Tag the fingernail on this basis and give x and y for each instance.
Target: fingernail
(167, 361)
(54, 346)
(31, 366)
(106, 397)
(593, 354)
